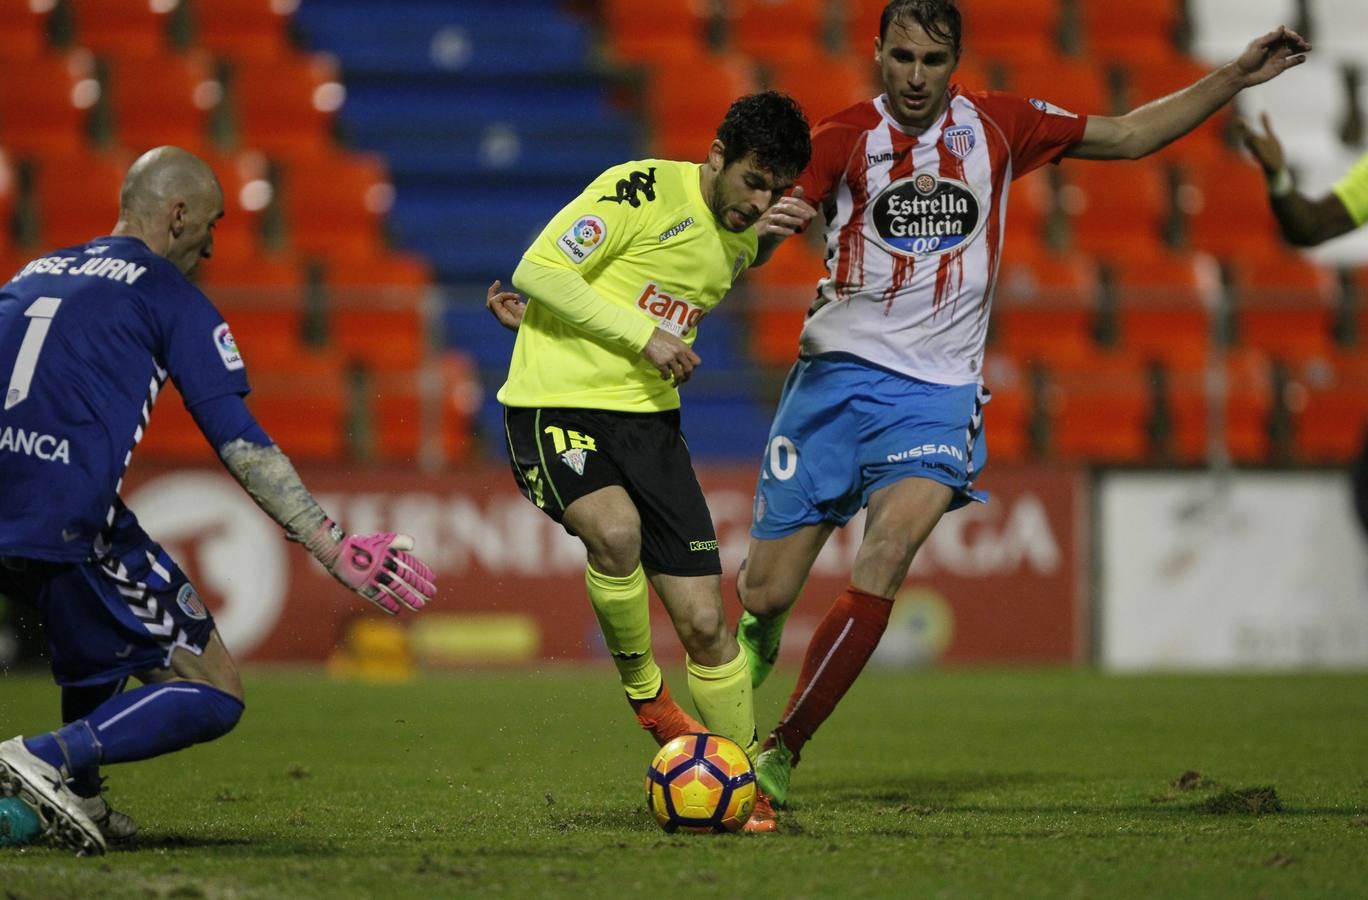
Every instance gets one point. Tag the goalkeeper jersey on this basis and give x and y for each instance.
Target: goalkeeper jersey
(643, 237)
(1352, 190)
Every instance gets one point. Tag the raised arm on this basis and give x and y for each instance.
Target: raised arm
(1304, 222)
(1148, 128)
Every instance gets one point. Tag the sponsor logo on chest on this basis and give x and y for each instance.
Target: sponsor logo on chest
(925, 215)
(677, 315)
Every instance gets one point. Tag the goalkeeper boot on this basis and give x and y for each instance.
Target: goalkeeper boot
(761, 819)
(664, 718)
(43, 789)
(116, 827)
(773, 770)
(760, 637)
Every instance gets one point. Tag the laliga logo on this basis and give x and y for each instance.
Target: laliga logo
(227, 546)
(588, 232)
(676, 315)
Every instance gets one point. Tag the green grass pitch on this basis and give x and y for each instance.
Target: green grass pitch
(947, 784)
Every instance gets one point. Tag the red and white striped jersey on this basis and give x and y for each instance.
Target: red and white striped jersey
(915, 224)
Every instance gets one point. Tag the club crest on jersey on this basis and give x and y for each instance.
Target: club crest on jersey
(582, 238)
(1051, 109)
(925, 215)
(190, 603)
(959, 140)
(227, 347)
(575, 458)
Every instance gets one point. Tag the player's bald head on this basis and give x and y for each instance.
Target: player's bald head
(163, 176)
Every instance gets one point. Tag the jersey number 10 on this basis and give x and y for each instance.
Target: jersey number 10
(40, 314)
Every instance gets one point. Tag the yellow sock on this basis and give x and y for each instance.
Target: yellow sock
(622, 606)
(722, 695)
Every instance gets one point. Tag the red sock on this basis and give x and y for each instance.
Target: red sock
(664, 718)
(836, 655)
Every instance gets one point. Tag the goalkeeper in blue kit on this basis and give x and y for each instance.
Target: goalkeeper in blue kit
(88, 336)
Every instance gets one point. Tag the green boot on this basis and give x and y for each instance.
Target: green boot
(760, 637)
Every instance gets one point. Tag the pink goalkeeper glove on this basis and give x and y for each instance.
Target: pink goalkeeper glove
(375, 566)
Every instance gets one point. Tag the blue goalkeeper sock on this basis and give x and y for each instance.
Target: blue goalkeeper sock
(150, 721)
(77, 703)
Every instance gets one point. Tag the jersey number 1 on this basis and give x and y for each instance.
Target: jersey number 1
(40, 314)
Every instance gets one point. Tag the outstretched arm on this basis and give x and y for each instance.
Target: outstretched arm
(1304, 222)
(375, 566)
(1142, 131)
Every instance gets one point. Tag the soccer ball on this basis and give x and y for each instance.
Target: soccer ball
(700, 783)
(19, 825)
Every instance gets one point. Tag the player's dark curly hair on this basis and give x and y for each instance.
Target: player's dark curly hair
(772, 126)
(938, 18)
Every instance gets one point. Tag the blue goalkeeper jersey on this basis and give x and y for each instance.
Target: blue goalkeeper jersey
(88, 335)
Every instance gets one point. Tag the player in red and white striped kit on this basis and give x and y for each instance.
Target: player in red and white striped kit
(884, 406)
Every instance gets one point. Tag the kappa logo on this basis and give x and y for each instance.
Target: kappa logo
(631, 189)
(583, 238)
(575, 458)
(665, 236)
(227, 347)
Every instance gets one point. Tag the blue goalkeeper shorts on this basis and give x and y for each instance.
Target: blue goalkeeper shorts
(846, 428)
(123, 612)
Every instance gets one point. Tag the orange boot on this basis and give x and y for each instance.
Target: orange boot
(664, 718)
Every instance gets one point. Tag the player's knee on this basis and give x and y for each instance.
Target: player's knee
(703, 632)
(615, 548)
(221, 713)
(763, 596)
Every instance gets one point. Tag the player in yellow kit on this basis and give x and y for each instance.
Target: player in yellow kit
(618, 285)
(1307, 221)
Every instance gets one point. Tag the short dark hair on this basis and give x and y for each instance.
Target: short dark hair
(939, 18)
(772, 126)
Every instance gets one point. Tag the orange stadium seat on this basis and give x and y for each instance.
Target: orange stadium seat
(656, 31)
(1163, 304)
(400, 412)
(1007, 417)
(1003, 28)
(335, 202)
(844, 81)
(243, 29)
(782, 291)
(121, 27)
(22, 30)
(163, 99)
(1099, 407)
(1247, 410)
(44, 102)
(9, 191)
(686, 111)
(78, 195)
(778, 31)
(377, 310)
(1284, 304)
(286, 105)
(1226, 205)
(1046, 307)
(1115, 209)
(304, 408)
(1031, 220)
(1131, 31)
(1328, 400)
(1079, 86)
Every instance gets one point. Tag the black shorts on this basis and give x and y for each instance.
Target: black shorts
(560, 455)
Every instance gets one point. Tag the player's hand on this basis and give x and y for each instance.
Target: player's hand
(1269, 56)
(789, 215)
(377, 567)
(672, 357)
(1265, 146)
(507, 306)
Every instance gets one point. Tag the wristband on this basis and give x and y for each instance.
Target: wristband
(1280, 183)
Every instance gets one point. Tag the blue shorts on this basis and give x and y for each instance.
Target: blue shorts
(846, 428)
(116, 615)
